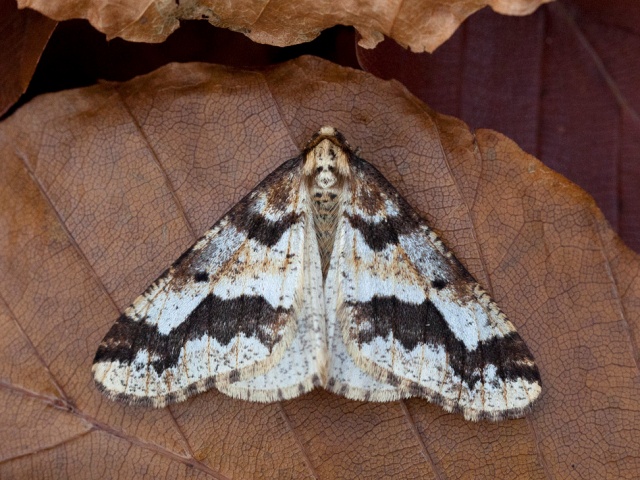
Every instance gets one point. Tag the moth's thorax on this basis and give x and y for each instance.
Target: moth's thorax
(326, 168)
(326, 164)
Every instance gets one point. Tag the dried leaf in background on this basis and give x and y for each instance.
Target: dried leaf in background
(563, 83)
(24, 34)
(103, 187)
(418, 24)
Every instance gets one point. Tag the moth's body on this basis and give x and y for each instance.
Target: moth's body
(322, 276)
(326, 169)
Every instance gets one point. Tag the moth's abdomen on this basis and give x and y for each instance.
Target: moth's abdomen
(326, 213)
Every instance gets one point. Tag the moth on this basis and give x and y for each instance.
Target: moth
(322, 276)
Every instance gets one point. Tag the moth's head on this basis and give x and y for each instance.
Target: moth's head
(326, 160)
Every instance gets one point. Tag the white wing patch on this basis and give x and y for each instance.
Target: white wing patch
(322, 276)
(387, 272)
(267, 272)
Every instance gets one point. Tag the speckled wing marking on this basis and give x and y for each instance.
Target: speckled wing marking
(225, 311)
(413, 318)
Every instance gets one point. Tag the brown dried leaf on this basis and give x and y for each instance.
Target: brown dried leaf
(25, 34)
(418, 24)
(101, 188)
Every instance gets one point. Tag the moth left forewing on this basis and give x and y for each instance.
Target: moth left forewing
(224, 311)
(413, 318)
